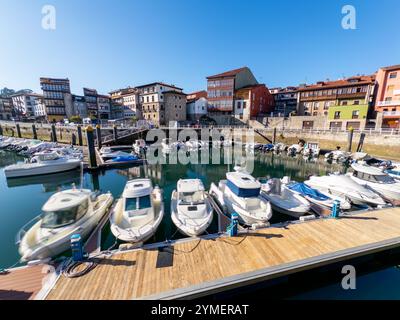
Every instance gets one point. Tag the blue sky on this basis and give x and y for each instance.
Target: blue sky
(108, 44)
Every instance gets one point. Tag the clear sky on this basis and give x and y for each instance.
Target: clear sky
(107, 44)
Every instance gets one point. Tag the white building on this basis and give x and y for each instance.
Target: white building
(196, 105)
(129, 99)
(28, 105)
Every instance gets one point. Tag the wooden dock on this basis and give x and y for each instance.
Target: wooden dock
(197, 267)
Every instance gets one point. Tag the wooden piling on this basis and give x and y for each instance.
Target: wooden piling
(18, 130)
(80, 142)
(274, 137)
(53, 133)
(350, 139)
(1, 130)
(98, 134)
(115, 132)
(34, 133)
(361, 142)
(91, 147)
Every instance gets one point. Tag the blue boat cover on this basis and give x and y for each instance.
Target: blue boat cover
(241, 192)
(125, 158)
(305, 190)
(395, 172)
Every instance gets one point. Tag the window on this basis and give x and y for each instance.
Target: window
(356, 102)
(355, 114)
(392, 75)
(344, 103)
(337, 115)
(390, 88)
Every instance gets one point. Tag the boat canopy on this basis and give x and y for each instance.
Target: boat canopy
(190, 185)
(137, 188)
(243, 184)
(305, 190)
(66, 199)
(46, 156)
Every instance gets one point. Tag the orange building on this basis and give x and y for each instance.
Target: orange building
(387, 103)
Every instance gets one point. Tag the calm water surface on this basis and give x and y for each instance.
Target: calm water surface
(21, 200)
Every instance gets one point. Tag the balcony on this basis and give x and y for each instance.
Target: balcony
(389, 103)
(391, 113)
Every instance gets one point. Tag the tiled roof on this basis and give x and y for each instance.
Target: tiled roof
(197, 95)
(340, 83)
(390, 68)
(160, 83)
(230, 73)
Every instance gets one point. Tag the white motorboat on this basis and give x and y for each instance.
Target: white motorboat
(343, 186)
(194, 145)
(283, 199)
(315, 197)
(166, 145)
(311, 149)
(280, 147)
(377, 180)
(337, 155)
(138, 213)
(240, 194)
(42, 163)
(295, 149)
(191, 211)
(65, 213)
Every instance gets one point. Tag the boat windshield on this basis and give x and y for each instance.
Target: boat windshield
(61, 218)
(137, 203)
(196, 197)
(374, 178)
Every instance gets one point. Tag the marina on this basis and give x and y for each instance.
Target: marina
(147, 253)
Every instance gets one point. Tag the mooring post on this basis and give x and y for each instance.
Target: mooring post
(34, 133)
(80, 142)
(350, 139)
(18, 130)
(115, 132)
(361, 142)
(91, 148)
(1, 130)
(73, 139)
(98, 135)
(53, 133)
(274, 136)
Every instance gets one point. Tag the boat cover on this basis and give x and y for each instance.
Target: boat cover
(243, 192)
(125, 158)
(305, 190)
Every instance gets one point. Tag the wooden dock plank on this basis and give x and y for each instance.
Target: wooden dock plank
(205, 262)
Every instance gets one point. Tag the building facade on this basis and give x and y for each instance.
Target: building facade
(387, 103)
(175, 106)
(57, 98)
(152, 104)
(80, 108)
(104, 107)
(91, 102)
(347, 103)
(221, 89)
(28, 106)
(5, 108)
(196, 105)
(285, 101)
(252, 101)
(126, 103)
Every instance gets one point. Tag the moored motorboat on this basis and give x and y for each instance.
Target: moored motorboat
(377, 180)
(65, 213)
(240, 194)
(138, 213)
(343, 186)
(283, 199)
(42, 163)
(191, 211)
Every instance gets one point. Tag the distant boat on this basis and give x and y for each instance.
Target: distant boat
(42, 163)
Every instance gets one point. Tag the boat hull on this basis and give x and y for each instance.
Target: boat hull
(41, 170)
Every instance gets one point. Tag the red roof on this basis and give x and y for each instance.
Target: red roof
(230, 73)
(340, 83)
(197, 95)
(391, 68)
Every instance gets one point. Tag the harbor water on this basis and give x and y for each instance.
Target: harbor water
(21, 200)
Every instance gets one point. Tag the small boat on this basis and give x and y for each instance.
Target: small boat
(295, 149)
(283, 199)
(280, 147)
(191, 211)
(317, 198)
(377, 180)
(42, 163)
(139, 211)
(343, 186)
(337, 155)
(240, 194)
(108, 153)
(65, 213)
(311, 149)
